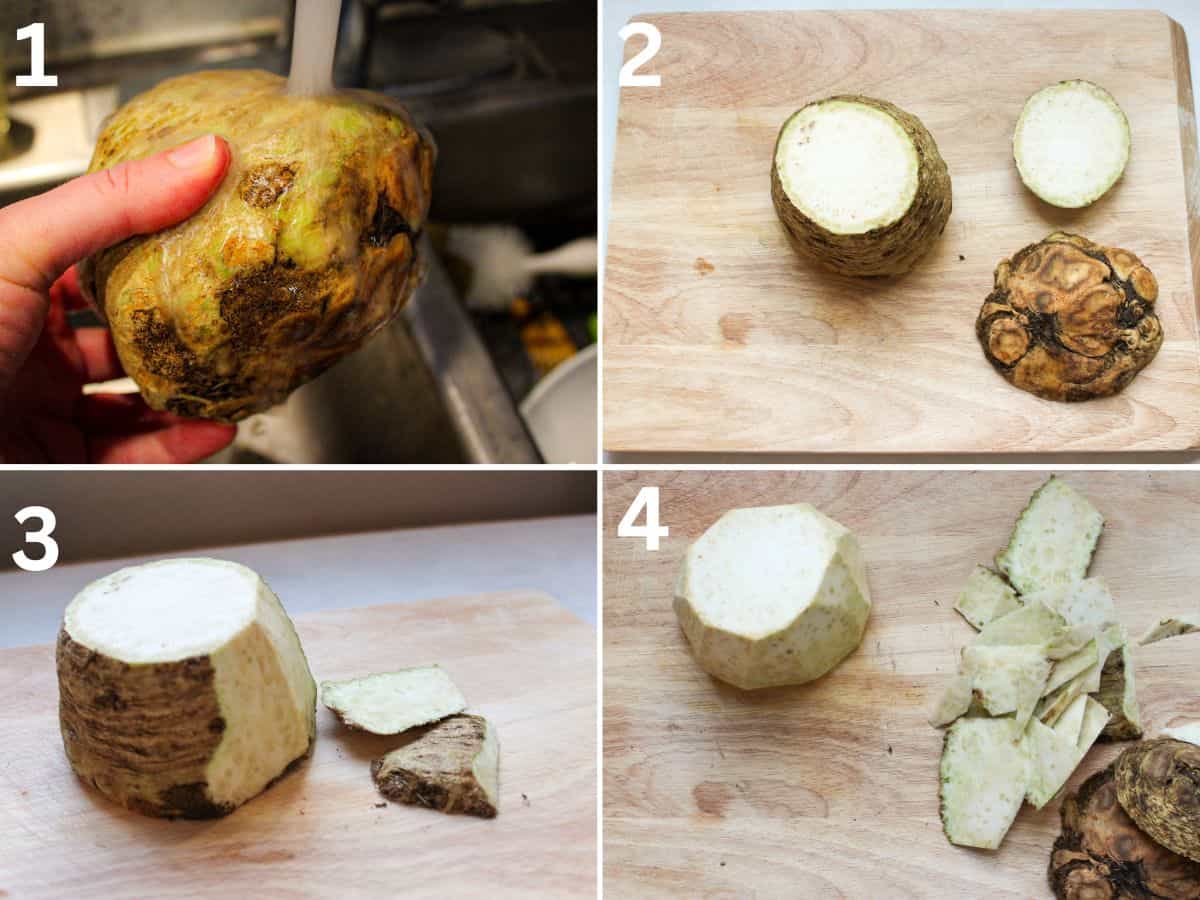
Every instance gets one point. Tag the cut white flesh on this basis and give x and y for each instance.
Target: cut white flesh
(1169, 628)
(1007, 679)
(1189, 733)
(984, 776)
(1067, 668)
(1053, 541)
(1071, 143)
(849, 167)
(954, 702)
(1054, 753)
(454, 767)
(985, 596)
(773, 595)
(1087, 603)
(183, 687)
(392, 702)
(1033, 623)
(1070, 723)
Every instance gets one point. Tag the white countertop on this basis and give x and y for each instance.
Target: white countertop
(554, 555)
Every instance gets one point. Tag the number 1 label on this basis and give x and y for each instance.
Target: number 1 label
(37, 77)
(647, 499)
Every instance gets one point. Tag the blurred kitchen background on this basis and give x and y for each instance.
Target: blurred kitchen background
(324, 539)
(493, 360)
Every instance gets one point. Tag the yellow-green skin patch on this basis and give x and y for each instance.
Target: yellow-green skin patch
(306, 249)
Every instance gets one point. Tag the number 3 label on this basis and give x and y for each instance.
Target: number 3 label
(629, 76)
(646, 499)
(42, 536)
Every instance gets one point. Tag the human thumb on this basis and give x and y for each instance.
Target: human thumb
(42, 237)
(49, 233)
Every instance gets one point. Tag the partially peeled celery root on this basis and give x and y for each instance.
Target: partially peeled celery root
(453, 767)
(183, 688)
(859, 185)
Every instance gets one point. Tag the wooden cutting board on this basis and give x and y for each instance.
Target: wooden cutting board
(520, 659)
(718, 338)
(830, 790)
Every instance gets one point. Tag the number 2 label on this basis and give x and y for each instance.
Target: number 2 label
(647, 499)
(41, 536)
(629, 76)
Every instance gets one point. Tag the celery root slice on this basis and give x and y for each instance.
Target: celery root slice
(1071, 143)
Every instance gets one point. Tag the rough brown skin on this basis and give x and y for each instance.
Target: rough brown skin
(1112, 695)
(435, 769)
(308, 247)
(111, 745)
(1102, 855)
(1069, 319)
(1158, 783)
(894, 248)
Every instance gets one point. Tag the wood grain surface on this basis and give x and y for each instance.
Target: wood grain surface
(830, 790)
(718, 338)
(520, 659)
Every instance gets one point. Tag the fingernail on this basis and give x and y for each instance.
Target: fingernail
(193, 154)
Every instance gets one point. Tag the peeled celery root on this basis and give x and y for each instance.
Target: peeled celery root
(392, 702)
(453, 767)
(773, 595)
(859, 185)
(1071, 143)
(308, 247)
(183, 688)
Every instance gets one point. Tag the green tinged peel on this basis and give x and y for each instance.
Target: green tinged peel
(1169, 628)
(985, 596)
(983, 781)
(1053, 541)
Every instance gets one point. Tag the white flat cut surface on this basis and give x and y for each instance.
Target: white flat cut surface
(554, 555)
(847, 166)
(165, 611)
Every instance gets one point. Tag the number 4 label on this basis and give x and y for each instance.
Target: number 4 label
(647, 499)
(629, 76)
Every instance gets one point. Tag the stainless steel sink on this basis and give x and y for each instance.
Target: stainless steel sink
(424, 390)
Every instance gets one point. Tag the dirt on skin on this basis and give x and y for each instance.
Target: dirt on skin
(1070, 319)
(1102, 855)
(307, 249)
